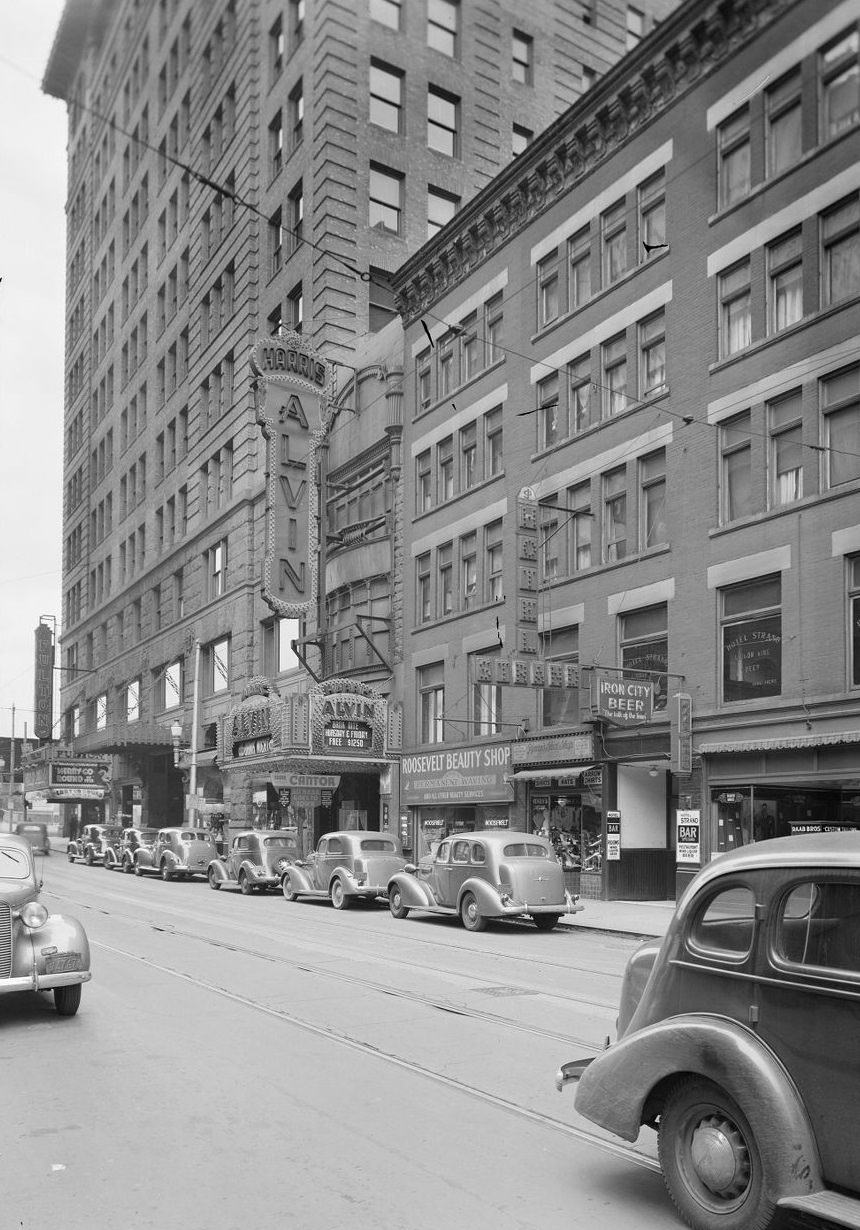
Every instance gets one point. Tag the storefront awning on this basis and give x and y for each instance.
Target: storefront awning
(786, 742)
(553, 770)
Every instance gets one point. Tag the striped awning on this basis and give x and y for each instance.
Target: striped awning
(780, 743)
(553, 770)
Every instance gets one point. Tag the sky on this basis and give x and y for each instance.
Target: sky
(32, 338)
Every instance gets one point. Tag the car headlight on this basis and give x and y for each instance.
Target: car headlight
(33, 915)
(260, 872)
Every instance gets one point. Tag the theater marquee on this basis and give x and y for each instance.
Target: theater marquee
(292, 387)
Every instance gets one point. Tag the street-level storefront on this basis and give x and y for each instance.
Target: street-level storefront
(80, 783)
(758, 788)
(310, 762)
(455, 790)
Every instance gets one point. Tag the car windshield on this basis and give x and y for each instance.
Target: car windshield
(14, 864)
(526, 849)
(371, 844)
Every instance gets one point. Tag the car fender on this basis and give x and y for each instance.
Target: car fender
(110, 859)
(299, 879)
(614, 1089)
(143, 858)
(252, 870)
(416, 894)
(488, 897)
(59, 934)
(218, 869)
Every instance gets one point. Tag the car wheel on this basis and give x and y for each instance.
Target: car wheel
(88, 858)
(214, 882)
(710, 1159)
(287, 888)
(127, 866)
(470, 916)
(245, 885)
(70, 854)
(166, 873)
(138, 869)
(546, 922)
(67, 1000)
(395, 902)
(339, 899)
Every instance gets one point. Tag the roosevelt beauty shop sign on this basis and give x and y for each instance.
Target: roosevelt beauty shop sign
(465, 775)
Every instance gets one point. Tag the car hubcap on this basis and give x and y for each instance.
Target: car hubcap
(720, 1157)
(471, 911)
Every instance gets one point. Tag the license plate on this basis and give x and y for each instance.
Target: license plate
(63, 962)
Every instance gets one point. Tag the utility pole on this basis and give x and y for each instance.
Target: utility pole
(12, 772)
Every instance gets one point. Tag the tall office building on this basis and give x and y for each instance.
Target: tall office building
(237, 170)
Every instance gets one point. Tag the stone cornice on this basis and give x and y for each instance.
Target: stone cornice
(683, 49)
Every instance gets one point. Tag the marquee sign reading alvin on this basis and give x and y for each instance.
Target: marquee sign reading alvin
(293, 388)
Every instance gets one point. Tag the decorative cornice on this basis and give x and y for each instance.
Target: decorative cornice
(675, 57)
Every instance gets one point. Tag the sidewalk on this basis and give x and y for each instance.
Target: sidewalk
(642, 918)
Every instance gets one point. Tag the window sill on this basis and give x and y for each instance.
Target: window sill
(793, 331)
(545, 330)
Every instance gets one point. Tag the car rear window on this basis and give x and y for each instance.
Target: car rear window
(194, 835)
(288, 843)
(819, 924)
(725, 926)
(526, 849)
(370, 845)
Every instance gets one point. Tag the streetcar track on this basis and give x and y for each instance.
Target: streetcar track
(625, 1152)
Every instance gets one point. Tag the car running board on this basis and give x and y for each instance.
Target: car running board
(833, 1207)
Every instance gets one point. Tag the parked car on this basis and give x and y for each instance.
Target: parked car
(120, 853)
(38, 951)
(37, 835)
(177, 853)
(483, 875)
(344, 867)
(737, 1039)
(90, 845)
(257, 858)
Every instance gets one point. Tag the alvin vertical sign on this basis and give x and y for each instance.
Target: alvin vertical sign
(43, 701)
(292, 391)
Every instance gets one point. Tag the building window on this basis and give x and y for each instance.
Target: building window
(560, 705)
(132, 701)
(424, 380)
(276, 145)
(579, 394)
(521, 57)
(840, 85)
(854, 617)
(840, 255)
(276, 245)
(486, 705)
(295, 309)
(613, 232)
(218, 666)
(548, 411)
(840, 404)
(652, 216)
(645, 649)
(652, 488)
(101, 711)
(785, 281)
(441, 207)
(549, 544)
(469, 570)
(386, 12)
(751, 631)
(442, 21)
(494, 569)
(468, 457)
(446, 365)
(278, 653)
(736, 467)
(548, 289)
(786, 449)
(493, 329)
(470, 351)
(614, 516)
(170, 685)
(386, 199)
(783, 131)
(734, 158)
(386, 97)
(495, 440)
(652, 348)
(581, 521)
(443, 122)
(422, 578)
(216, 570)
(297, 115)
(444, 564)
(297, 22)
(521, 139)
(735, 310)
(380, 299)
(635, 26)
(445, 457)
(614, 359)
(579, 257)
(423, 483)
(431, 703)
(295, 216)
(276, 48)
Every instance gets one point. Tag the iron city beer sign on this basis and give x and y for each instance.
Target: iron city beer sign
(290, 385)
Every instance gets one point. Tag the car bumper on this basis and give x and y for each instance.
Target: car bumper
(44, 982)
(571, 1071)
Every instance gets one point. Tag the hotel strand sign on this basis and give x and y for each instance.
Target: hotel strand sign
(293, 388)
